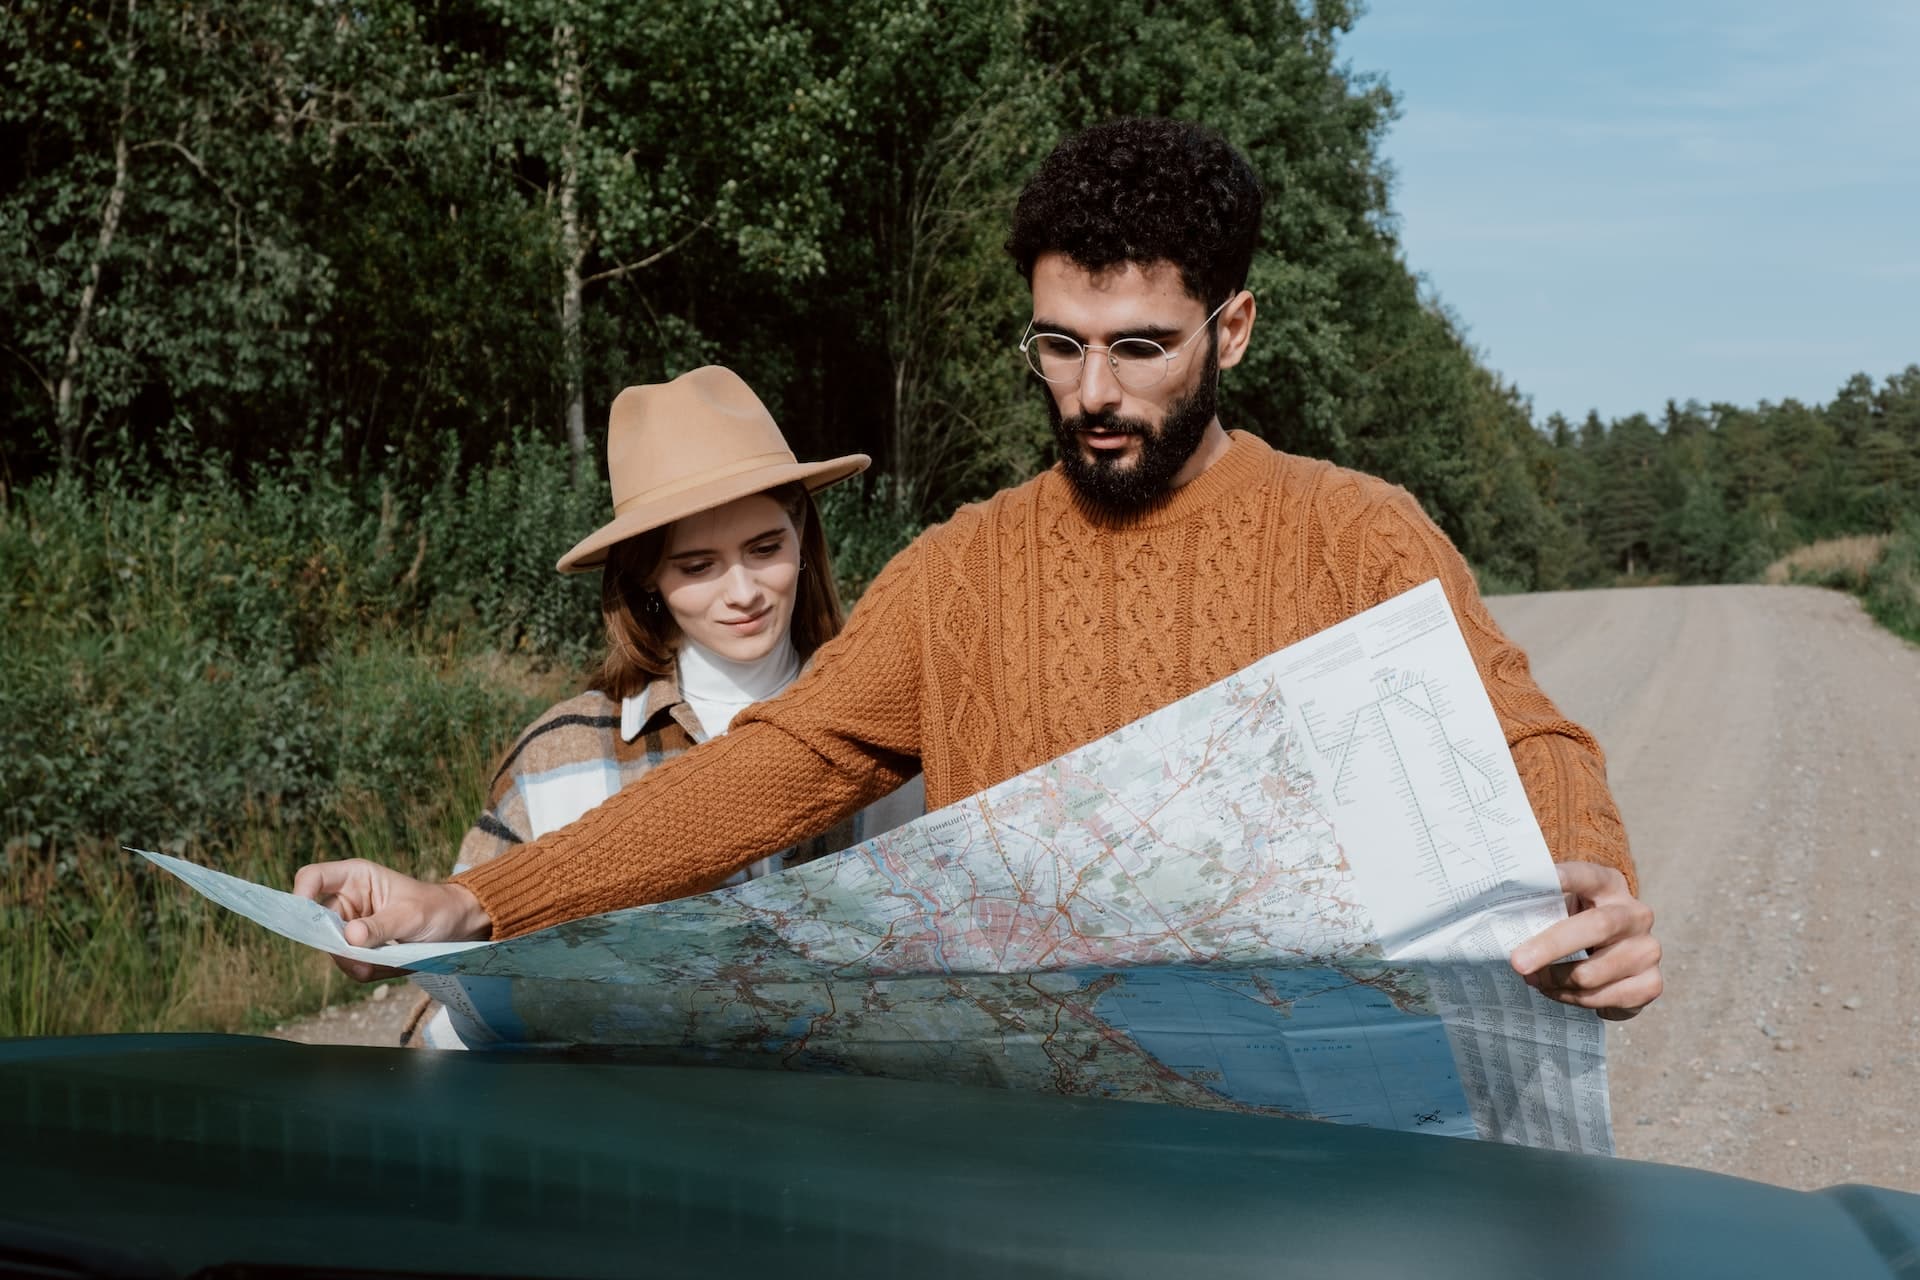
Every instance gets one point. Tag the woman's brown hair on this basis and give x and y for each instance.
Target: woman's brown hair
(643, 640)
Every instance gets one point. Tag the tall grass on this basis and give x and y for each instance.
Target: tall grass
(1882, 569)
(258, 672)
(99, 941)
(93, 939)
(1845, 563)
(255, 672)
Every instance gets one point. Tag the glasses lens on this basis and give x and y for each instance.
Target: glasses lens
(1138, 362)
(1055, 357)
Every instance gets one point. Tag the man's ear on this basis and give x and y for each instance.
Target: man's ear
(1236, 328)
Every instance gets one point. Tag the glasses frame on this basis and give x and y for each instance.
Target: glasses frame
(1113, 365)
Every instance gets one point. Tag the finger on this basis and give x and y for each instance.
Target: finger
(1605, 967)
(1591, 881)
(322, 880)
(395, 922)
(358, 970)
(1589, 928)
(315, 880)
(362, 971)
(1618, 1000)
(1595, 927)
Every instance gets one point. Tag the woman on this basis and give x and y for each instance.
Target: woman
(715, 588)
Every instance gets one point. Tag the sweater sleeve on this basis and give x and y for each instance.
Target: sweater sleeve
(843, 734)
(1560, 764)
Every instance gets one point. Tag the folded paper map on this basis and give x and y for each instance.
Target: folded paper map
(1292, 893)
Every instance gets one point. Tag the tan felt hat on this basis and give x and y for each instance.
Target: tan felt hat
(700, 441)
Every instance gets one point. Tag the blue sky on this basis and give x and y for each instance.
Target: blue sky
(1641, 200)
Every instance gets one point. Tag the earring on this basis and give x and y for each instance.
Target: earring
(653, 602)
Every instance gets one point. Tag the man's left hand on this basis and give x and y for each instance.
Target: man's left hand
(1621, 973)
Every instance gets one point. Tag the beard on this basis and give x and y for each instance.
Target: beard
(1126, 485)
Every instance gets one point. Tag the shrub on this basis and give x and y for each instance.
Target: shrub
(1892, 592)
(866, 525)
(260, 671)
(257, 671)
(1494, 582)
(1842, 563)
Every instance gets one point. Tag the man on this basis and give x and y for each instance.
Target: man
(1160, 555)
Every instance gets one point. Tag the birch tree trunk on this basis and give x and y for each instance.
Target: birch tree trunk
(959, 181)
(66, 407)
(567, 75)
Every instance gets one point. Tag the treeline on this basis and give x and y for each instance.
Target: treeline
(391, 237)
(1716, 493)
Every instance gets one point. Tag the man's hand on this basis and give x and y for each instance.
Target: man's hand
(1621, 974)
(380, 905)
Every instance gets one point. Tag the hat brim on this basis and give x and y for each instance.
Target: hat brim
(591, 551)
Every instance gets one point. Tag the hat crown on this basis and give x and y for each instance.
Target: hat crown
(698, 442)
(703, 426)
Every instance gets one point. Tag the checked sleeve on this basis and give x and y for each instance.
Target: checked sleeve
(842, 735)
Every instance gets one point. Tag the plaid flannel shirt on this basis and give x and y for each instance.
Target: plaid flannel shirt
(579, 753)
(584, 749)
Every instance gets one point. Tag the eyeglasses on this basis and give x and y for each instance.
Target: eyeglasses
(1136, 363)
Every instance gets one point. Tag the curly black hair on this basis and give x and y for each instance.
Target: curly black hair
(1144, 191)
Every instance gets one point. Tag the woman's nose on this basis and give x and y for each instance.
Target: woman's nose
(739, 586)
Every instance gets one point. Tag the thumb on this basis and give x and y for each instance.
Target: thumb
(390, 923)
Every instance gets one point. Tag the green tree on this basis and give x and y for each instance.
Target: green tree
(636, 126)
(1754, 475)
(1805, 441)
(1886, 458)
(1519, 534)
(152, 257)
(1629, 503)
(1570, 489)
(1703, 546)
(1692, 534)
(954, 113)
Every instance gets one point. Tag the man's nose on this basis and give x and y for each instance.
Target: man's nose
(1099, 388)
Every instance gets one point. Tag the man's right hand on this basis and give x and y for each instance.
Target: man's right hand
(381, 905)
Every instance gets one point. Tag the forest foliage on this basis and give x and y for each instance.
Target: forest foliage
(393, 237)
(311, 314)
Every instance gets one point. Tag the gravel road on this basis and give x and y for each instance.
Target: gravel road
(1764, 743)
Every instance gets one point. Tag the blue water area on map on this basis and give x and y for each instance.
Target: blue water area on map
(1303, 1041)
(492, 999)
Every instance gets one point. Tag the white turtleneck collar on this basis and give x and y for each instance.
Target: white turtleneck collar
(718, 689)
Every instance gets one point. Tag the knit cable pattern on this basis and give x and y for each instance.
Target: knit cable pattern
(1029, 625)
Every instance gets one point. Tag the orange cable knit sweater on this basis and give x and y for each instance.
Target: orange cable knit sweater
(1026, 626)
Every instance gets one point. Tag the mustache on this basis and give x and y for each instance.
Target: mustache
(1104, 421)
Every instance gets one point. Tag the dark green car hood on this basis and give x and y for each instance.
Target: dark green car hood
(176, 1155)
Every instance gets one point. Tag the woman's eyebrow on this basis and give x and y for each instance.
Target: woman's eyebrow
(691, 552)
